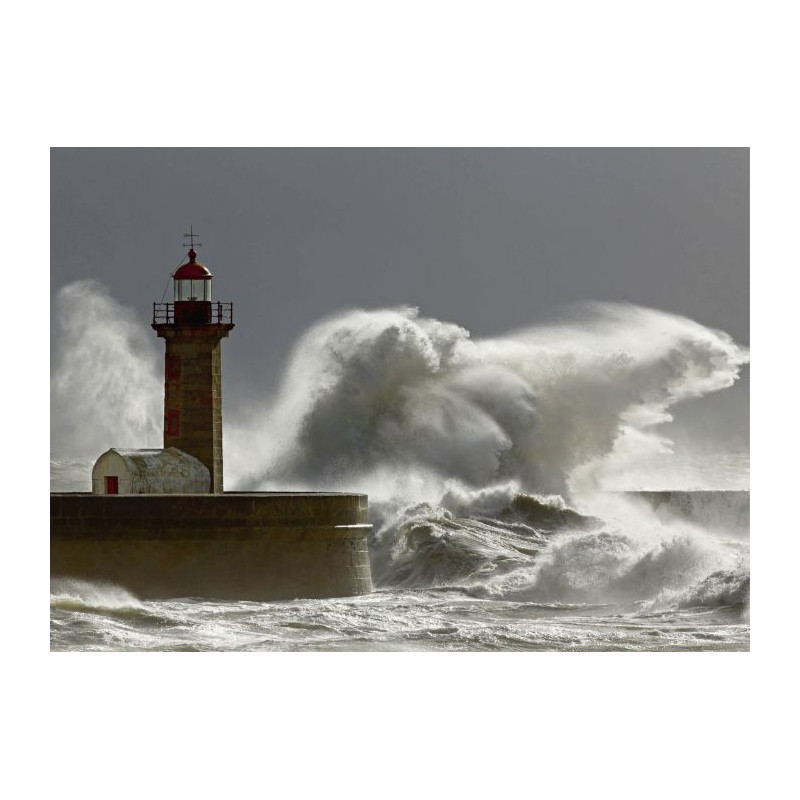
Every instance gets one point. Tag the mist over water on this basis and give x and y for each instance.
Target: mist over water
(106, 385)
(485, 460)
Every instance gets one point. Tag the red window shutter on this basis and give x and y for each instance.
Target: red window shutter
(173, 423)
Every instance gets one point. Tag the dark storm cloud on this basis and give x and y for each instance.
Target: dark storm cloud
(492, 239)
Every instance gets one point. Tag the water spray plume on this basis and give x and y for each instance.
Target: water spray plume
(372, 397)
(106, 388)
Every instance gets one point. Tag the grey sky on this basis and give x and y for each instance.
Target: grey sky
(492, 239)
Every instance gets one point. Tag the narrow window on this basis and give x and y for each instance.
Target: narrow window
(112, 484)
(173, 423)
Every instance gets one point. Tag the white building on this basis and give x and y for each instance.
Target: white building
(170, 471)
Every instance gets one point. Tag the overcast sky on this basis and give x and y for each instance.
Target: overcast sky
(492, 239)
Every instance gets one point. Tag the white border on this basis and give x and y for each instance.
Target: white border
(451, 74)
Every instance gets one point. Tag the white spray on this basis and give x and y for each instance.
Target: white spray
(106, 388)
(387, 399)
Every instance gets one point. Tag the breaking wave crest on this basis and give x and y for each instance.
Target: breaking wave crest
(387, 399)
(72, 594)
(724, 587)
(465, 536)
(537, 549)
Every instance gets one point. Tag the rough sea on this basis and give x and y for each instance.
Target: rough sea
(503, 475)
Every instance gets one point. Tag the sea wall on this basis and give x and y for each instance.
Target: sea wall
(238, 546)
(728, 510)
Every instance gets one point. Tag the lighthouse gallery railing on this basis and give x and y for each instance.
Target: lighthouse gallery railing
(218, 313)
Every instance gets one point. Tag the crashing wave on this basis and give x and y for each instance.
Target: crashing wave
(74, 594)
(466, 536)
(723, 587)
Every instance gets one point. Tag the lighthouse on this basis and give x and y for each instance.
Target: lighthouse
(193, 326)
(158, 521)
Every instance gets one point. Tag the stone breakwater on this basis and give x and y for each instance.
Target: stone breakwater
(714, 509)
(241, 546)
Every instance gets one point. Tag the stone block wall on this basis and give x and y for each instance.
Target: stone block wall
(193, 392)
(238, 546)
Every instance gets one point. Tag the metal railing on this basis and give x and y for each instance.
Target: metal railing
(202, 312)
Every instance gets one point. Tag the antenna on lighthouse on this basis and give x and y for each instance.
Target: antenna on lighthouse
(191, 237)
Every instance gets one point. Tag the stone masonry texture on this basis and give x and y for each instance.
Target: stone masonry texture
(193, 392)
(246, 546)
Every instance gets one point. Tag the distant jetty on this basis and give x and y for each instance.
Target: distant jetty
(729, 509)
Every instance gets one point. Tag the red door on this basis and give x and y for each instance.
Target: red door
(112, 484)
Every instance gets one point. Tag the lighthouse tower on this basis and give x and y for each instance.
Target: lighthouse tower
(193, 327)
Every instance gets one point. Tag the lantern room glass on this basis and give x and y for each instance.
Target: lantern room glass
(192, 289)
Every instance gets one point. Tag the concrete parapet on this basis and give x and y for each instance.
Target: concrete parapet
(239, 546)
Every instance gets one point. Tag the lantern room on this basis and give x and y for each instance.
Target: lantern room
(192, 281)
(192, 306)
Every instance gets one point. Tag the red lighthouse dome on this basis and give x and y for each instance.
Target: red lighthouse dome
(192, 281)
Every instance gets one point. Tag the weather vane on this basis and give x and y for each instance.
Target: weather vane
(191, 237)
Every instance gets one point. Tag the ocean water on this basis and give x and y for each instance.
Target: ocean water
(473, 583)
(503, 476)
